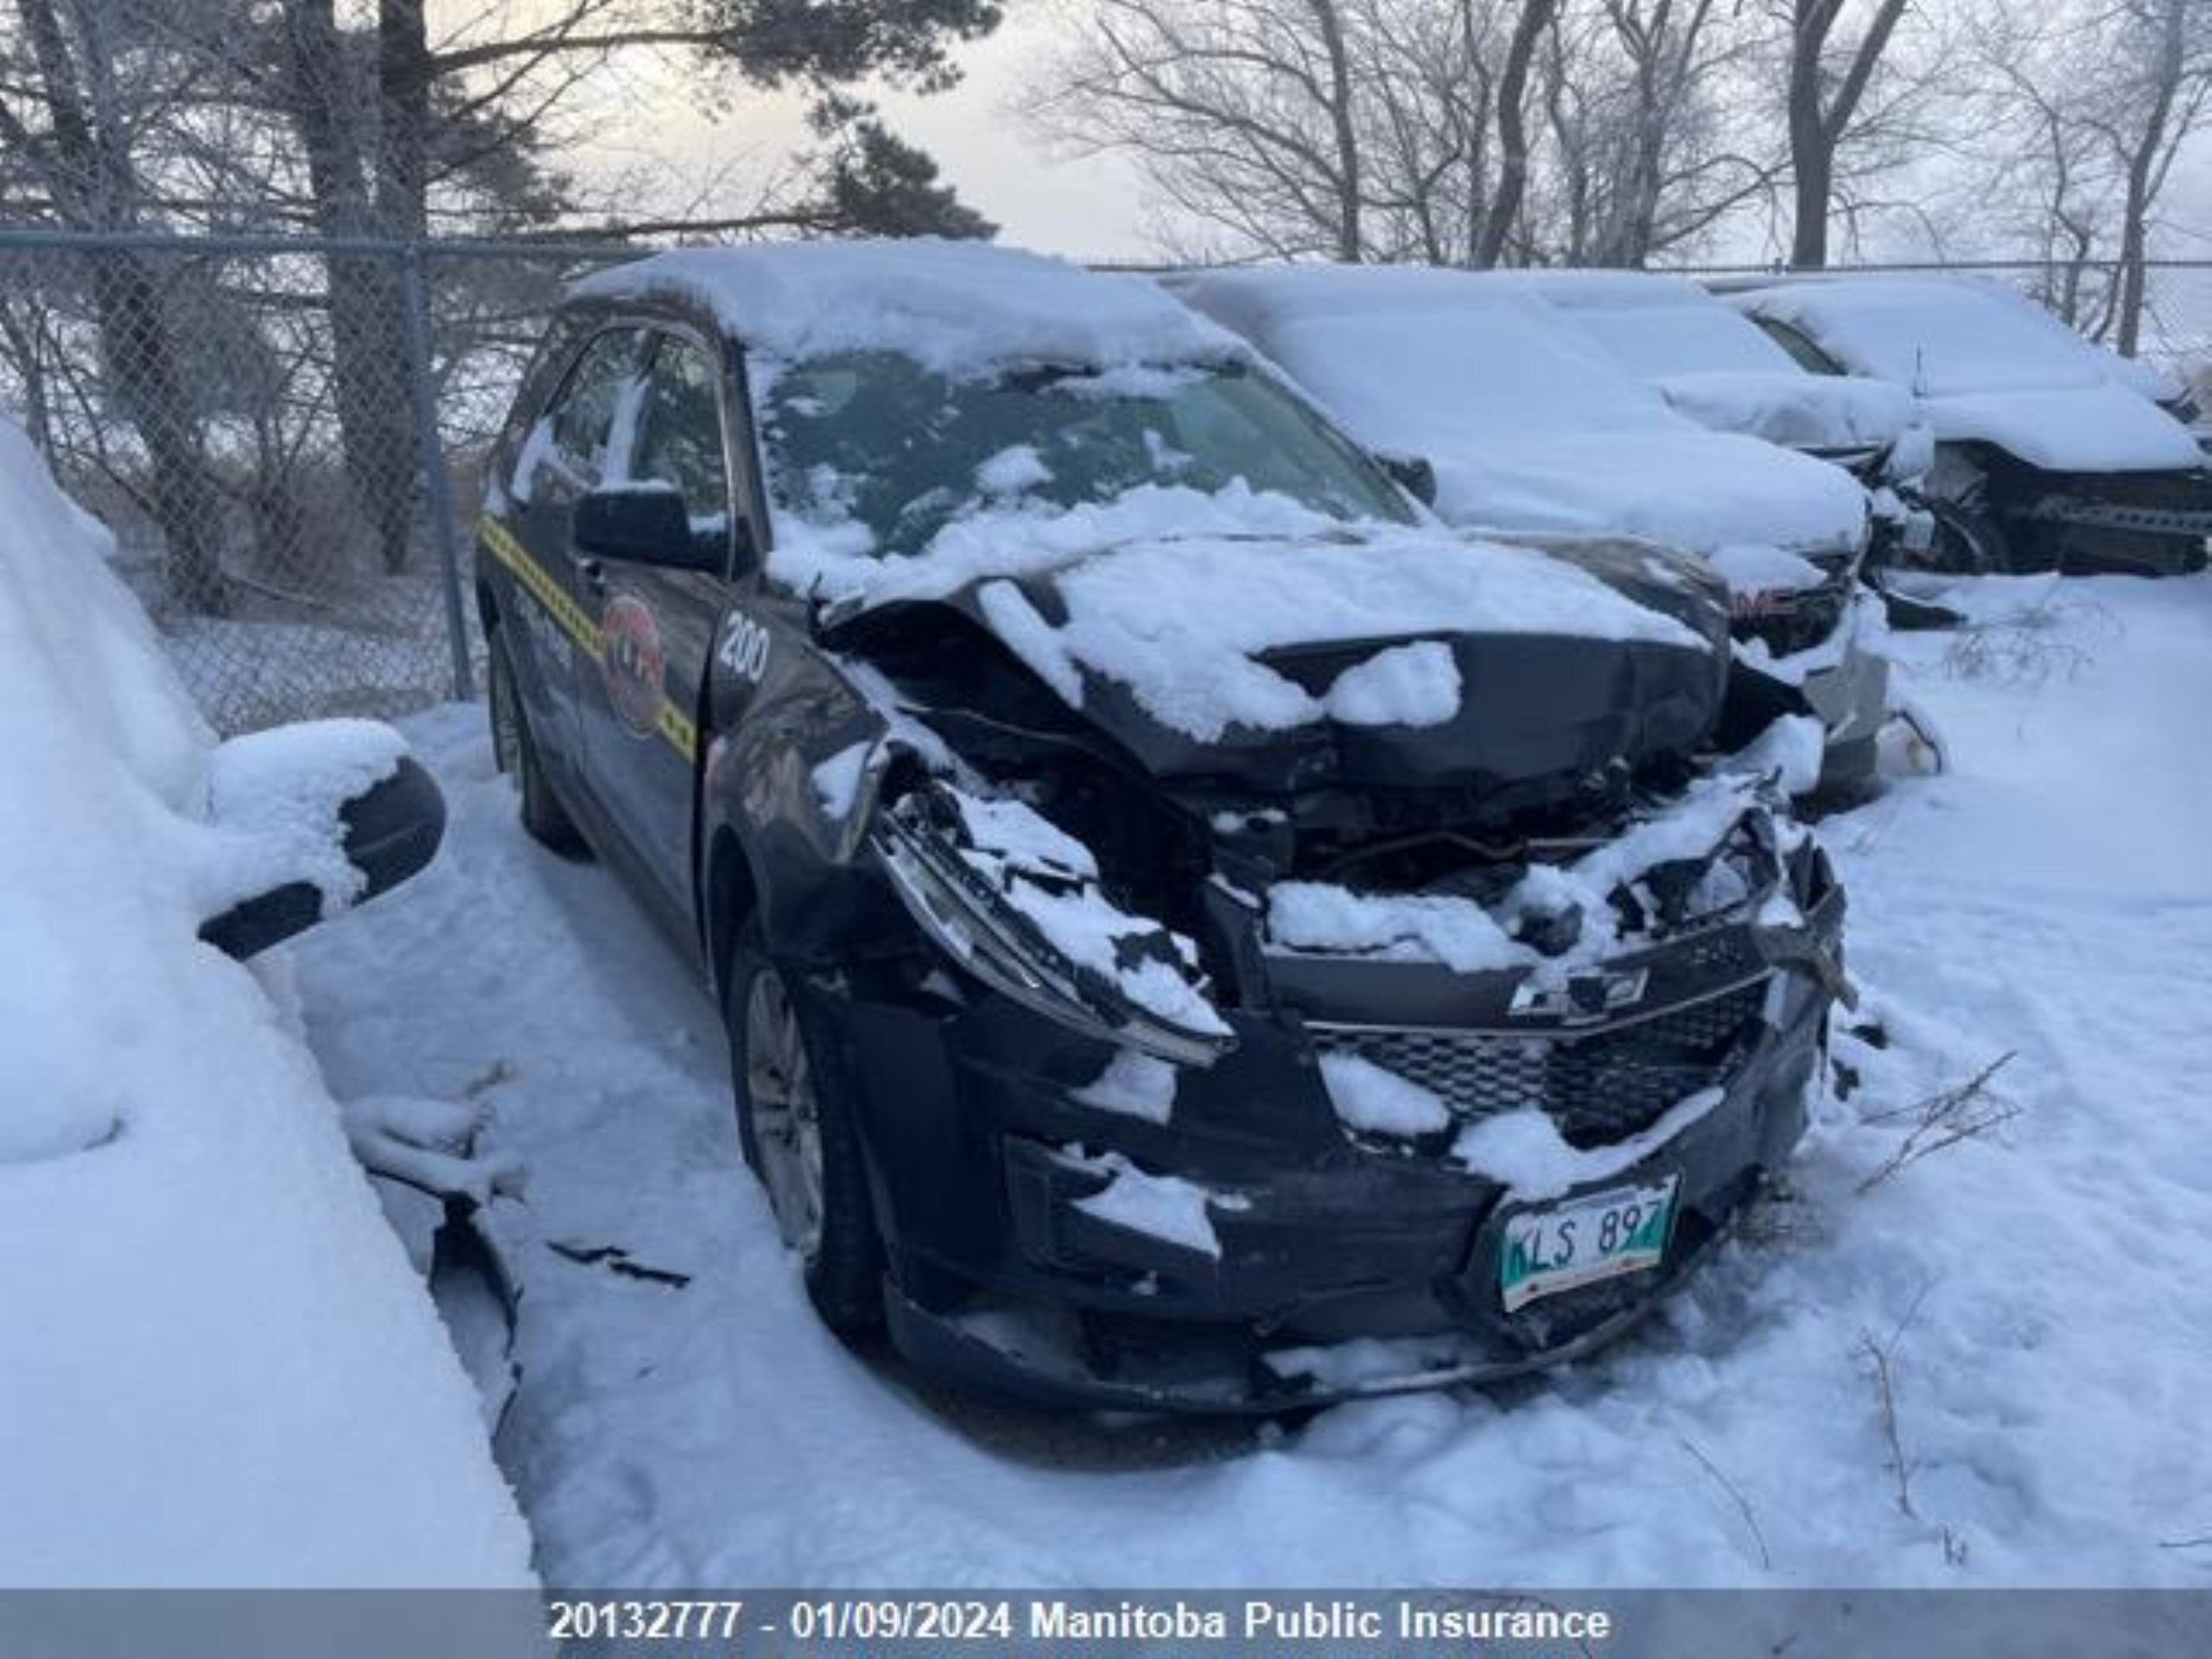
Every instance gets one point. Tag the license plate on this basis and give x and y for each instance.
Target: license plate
(1584, 1240)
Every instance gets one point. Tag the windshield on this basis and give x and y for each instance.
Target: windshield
(876, 438)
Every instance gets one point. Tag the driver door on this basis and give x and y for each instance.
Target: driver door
(657, 623)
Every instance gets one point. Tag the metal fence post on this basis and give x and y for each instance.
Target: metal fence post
(437, 481)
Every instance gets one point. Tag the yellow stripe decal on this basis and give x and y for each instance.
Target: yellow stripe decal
(674, 725)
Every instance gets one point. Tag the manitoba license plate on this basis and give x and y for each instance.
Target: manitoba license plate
(1584, 1240)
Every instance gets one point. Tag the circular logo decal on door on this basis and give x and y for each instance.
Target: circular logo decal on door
(630, 654)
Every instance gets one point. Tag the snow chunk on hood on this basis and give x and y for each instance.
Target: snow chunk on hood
(963, 308)
(1531, 425)
(1985, 367)
(1181, 619)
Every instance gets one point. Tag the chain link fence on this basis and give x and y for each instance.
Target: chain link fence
(286, 438)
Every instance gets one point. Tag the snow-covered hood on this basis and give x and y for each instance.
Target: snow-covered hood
(2101, 428)
(1381, 655)
(1695, 490)
(1792, 408)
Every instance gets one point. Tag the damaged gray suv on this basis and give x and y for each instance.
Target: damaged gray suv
(1193, 932)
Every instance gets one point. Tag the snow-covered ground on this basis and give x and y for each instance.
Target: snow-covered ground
(2035, 1292)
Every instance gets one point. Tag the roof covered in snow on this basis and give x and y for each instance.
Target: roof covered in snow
(1986, 364)
(1530, 421)
(956, 307)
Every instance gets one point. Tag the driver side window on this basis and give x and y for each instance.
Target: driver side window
(680, 434)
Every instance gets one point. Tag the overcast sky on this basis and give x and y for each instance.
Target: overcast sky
(1081, 207)
(655, 120)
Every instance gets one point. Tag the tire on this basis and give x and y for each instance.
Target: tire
(825, 1213)
(516, 752)
(1968, 541)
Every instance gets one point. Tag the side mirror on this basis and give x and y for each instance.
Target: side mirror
(648, 526)
(388, 833)
(1413, 474)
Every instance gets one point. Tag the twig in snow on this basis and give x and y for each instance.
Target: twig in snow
(1743, 1504)
(1882, 1357)
(2026, 649)
(491, 1077)
(2204, 1543)
(1964, 1112)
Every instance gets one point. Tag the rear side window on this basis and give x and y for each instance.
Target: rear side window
(583, 413)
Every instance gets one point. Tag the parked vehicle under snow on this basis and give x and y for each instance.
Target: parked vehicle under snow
(2051, 452)
(1532, 426)
(1034, 718)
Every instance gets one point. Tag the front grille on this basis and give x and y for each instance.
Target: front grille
(1598, 1087)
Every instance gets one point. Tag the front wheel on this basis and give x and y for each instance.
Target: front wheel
(796, 1125)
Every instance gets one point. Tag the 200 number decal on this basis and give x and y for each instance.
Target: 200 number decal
(745, 647)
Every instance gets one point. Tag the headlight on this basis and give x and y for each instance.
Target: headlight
(1015, 903)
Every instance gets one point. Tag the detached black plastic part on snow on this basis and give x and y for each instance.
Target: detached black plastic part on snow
(389, 832)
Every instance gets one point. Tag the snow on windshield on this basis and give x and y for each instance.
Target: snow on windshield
(1530, 423)
(872, 452)
(219, 1366)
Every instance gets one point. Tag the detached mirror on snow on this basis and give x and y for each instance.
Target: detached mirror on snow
(314, 818)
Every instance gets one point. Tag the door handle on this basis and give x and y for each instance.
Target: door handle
(593, 572)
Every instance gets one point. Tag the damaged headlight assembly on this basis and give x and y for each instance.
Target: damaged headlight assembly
(975, 920)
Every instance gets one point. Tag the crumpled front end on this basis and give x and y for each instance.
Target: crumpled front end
(1287, 1135)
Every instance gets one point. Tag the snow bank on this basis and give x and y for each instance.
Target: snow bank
(1985, 366)
(216, 1366)
(1530, 423)
(960, 308)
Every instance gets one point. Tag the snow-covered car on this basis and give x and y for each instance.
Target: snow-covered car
(1714, 365)
(218, 1368)
(1529, 425)
(1192, 931)
(2051, 452)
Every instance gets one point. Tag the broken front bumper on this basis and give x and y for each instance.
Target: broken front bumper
(1331, 1262)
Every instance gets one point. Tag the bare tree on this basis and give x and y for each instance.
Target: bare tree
(1829, 75)
(2164, 84)
(2089, 110)
(75, 124)
(1647, 152)
(1353, 129)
